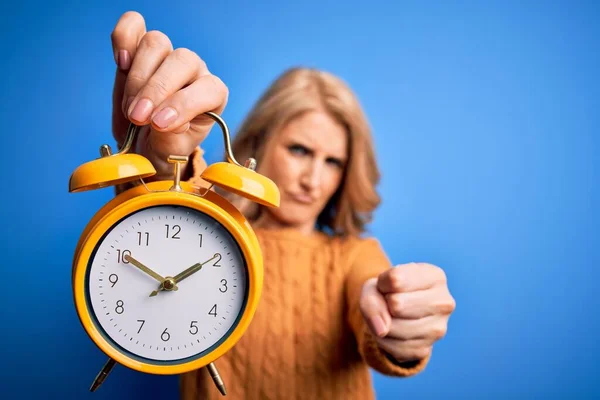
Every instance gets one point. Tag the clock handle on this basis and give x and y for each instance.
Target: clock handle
(214, 374)
(250, 163)
(102, 374)
(133, 130)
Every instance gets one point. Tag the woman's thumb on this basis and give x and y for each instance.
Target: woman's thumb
(374, 309)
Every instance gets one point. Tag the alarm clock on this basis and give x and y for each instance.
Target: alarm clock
(166, 275)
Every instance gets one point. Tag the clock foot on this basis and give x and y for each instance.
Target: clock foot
(102, 374)
(214, 374)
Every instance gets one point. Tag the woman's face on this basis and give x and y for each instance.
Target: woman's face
(306, 160)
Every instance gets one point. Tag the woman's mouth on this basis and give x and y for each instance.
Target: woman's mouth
(302, 198)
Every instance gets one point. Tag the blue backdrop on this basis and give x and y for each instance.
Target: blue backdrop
(486, 119)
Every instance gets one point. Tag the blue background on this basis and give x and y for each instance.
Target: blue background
(486, 119)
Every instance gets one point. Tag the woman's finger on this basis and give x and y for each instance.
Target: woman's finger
(154, 47)
(126, 35)
(420, 303)
(179, 69)
(431, 328)
(128, 32)
(410, 277)
(207, 93)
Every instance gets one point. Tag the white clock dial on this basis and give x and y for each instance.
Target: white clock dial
(171, 325)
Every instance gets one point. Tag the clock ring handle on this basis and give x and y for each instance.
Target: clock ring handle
(133, 130)
(250, 162)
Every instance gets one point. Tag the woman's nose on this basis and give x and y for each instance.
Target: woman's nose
(311, 176)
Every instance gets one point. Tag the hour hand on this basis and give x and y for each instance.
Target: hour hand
(170, 283)
(145, 269)
(193, 269)
(181, 276)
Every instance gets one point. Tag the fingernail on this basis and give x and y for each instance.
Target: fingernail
(142, 110)
(128, 104)
(378, 325)
(165, 117)
(123, 60)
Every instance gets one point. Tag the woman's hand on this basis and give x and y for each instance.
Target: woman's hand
(407, 309)
(165, 89)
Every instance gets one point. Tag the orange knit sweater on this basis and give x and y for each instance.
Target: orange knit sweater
(308, 339)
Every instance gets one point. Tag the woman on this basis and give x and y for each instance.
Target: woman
(332, 306)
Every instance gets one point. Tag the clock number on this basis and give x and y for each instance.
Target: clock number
(224, 283)
(119, 308)
(194, 327)
(140, 236)
(218, 255)
(143, 321)
(213, 311)
(200, 239)
(165, 336)
(175, 228)
(113, 278)
(121, 254)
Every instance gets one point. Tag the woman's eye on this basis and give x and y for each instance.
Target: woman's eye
(336, 163)
(297, 149)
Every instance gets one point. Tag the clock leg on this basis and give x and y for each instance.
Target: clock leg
(102, 374)
(214, 374)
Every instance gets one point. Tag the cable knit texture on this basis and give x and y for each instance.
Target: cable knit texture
(308, 339)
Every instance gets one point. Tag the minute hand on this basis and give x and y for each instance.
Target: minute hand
(193, 269)
(143, 268)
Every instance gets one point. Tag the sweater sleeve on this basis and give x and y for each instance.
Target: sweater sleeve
(367, 260)
(196, 166)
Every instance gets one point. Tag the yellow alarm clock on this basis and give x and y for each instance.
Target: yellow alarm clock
(167, 276)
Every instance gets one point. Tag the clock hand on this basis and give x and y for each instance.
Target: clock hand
(145, 269)
(191, 270)
(182, 275)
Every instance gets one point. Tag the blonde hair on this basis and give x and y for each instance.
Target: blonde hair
(295, 92)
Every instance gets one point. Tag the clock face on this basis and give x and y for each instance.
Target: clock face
(153, 323)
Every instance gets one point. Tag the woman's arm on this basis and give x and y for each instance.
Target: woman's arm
(367, 260)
